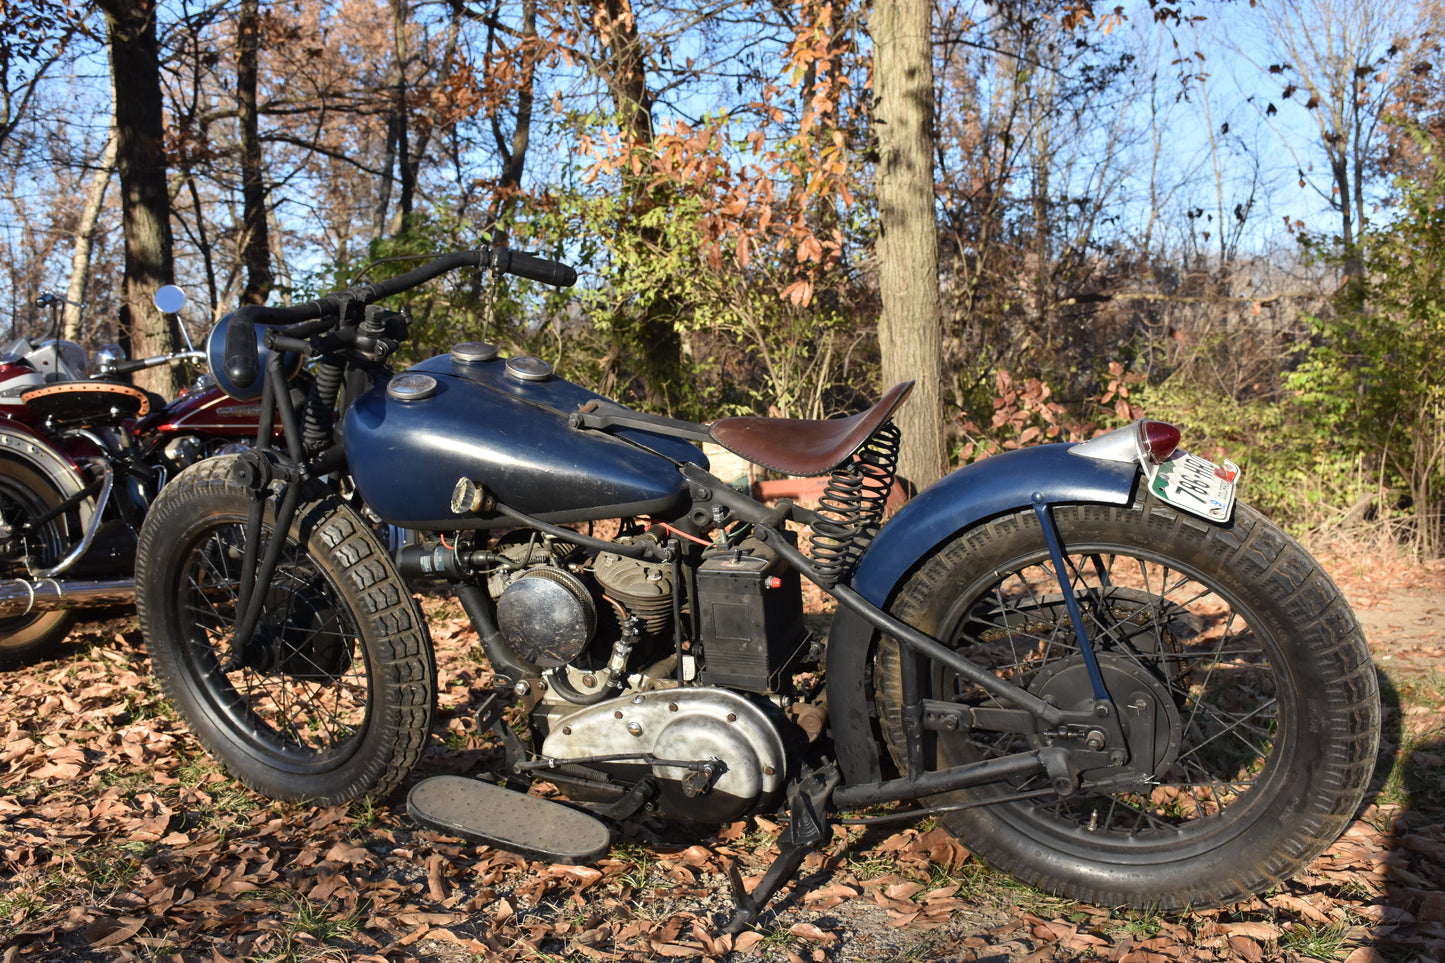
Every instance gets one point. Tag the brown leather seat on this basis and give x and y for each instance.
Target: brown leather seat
(798, 446)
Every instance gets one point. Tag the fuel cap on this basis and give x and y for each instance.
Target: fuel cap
(527, 368)
(412, 387)
(471, 352)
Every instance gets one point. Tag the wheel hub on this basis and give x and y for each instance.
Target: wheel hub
(1152, 727)
(306, 642)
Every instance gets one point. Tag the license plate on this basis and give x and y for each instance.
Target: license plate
(1194, 484)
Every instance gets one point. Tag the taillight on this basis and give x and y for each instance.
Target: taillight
(1158, 440)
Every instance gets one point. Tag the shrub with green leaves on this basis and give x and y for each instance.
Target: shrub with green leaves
(1373, 381)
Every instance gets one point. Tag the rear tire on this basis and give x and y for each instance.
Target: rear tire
(1262, 702)
(333, 699)
(25, 494)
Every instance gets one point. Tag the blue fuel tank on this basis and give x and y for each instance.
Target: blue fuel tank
(501, 423)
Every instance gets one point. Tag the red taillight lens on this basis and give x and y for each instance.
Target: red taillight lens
(1158, 440)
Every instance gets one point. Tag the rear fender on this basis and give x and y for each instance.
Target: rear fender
(22, 444)
(1102, 471)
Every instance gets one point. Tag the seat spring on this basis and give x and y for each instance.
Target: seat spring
(852, 505)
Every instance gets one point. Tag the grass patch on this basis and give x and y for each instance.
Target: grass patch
(639, 860)
(1316, 942)
(22, 902)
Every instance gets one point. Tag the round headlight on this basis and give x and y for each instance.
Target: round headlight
(216, 359)
(107, 356)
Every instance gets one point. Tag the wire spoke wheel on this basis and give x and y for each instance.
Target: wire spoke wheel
(296, 691)
(1162, 637)
(331, 696)
(1248, 703)
(26, 496)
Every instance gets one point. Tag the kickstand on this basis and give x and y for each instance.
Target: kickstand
(807, 828)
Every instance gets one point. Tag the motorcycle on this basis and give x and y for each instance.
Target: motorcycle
(1091, 663)
(81, 458)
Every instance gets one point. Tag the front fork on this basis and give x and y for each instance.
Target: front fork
(257, 470)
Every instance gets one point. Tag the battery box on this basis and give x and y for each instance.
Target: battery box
(750, 618)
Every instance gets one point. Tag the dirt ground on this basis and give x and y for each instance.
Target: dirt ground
(122, 842)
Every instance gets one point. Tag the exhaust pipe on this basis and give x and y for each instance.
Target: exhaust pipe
(21, 597)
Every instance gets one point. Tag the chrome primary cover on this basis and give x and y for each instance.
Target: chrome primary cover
(716, 755)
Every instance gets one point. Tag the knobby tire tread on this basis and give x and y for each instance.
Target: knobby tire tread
(405, 668)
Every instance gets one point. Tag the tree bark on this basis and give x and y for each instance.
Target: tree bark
(656, 339)
(416, 132)
(909, 331)
(145, 202)
(406, 172)
(513, 150)
(395, 127)
(255, 241)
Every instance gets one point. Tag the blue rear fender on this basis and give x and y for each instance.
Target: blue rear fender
(1058, 474)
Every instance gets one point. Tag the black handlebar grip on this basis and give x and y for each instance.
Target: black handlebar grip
(535, 268)
(126, 367)
(242, 366)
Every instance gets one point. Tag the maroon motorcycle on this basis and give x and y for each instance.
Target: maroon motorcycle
(82, 455)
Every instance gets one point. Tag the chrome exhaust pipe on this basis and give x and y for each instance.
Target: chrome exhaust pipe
(22, 597)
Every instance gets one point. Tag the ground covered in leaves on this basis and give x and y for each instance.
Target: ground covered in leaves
(122, 840)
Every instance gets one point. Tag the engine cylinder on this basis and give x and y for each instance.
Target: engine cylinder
(643, 587)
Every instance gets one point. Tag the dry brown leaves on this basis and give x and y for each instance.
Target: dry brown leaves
(122, 841)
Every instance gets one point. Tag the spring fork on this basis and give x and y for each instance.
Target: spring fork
(275, 399)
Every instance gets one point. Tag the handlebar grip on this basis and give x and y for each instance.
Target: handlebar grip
(126, 367)
(535, 268)
(242, 366)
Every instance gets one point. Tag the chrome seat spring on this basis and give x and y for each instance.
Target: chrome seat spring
(852, 505)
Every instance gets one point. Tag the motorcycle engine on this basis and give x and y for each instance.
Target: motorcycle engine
(611, 705)
(552, 607)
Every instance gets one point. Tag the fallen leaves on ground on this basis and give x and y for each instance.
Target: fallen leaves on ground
(122, 841)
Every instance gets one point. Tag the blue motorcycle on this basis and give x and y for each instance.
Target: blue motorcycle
(1089, 662)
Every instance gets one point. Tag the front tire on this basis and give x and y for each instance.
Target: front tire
(333, 698)
(1261, 703)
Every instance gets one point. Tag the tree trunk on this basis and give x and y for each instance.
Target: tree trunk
(85, 238)
(656, 340)
(909, 330)
(406, 172)
(513, 151)
(626, 78)
(413, 144)
(145, 202)
(395, 131)
(255, 243)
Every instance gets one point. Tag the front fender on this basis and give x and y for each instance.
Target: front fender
(1054, 474)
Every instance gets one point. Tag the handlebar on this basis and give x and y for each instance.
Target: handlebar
(126, 367)
(241, 362)
(533, 268)
(48, 298)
